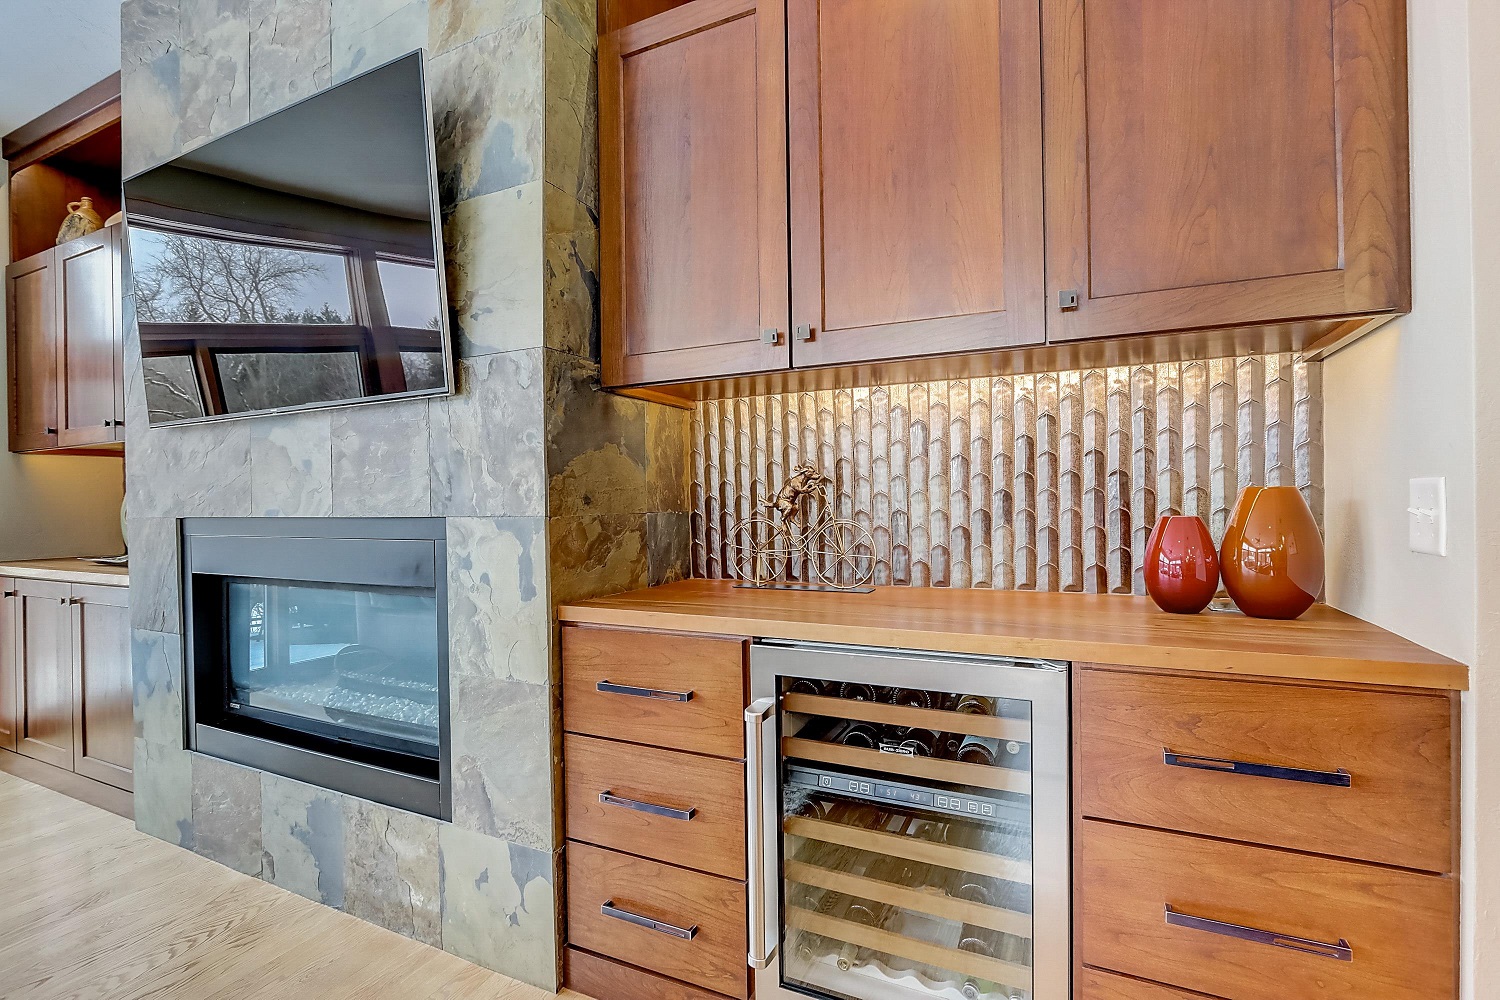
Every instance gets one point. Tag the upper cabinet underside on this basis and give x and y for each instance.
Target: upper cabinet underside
(897, 189)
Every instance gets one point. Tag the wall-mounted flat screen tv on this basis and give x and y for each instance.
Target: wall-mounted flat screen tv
(295, 262)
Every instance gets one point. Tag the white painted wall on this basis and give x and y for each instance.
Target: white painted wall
(53, 505)
(1421, 397)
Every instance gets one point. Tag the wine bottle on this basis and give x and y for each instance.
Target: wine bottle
(913, 697)
(856, 691)
(908, 741)
(975, 704)
(979, 750)
(806, 685)
(855, 733)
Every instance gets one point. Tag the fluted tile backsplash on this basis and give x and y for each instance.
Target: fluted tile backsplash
(1045, 482)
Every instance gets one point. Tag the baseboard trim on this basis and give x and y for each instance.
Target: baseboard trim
(95, 793)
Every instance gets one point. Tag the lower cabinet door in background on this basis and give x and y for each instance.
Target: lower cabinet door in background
(8, 698)
(606, 979)
(700, 933)
(44, 671)
(1258, 923)
(103, 722)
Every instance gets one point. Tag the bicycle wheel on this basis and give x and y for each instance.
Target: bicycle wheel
(758, 550)
(843, 554)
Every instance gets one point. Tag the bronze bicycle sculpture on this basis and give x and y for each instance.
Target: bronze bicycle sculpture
(837, 552)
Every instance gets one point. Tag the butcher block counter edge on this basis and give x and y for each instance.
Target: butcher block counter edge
(67, 571)
(1323, 645)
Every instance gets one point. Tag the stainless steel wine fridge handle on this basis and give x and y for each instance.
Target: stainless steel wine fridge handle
(656, 694)
(1339, 952)
(1339, 778)
(609, 909)
(756, 717)
(610, 799)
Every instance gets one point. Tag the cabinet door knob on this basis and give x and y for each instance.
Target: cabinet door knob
(770, 335)
(1067, 299)
(804, 333)
(49, 430)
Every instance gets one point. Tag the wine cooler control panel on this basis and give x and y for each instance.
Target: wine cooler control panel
(951, 803)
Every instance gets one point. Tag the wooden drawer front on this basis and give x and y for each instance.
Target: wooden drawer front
(715, 956)
(707, 794)
(700, 680)
(1397, 747)
(1096, 985)
(607, 979)
(1401, 926)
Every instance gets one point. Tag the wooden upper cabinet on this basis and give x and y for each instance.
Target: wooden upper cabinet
(31, 310)
(916, 178)
(693, 171)
(1219, 163)
(88, 331)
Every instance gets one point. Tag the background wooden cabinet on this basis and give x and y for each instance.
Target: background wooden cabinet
(65, 678)
(66, 331)
(90, 397)
(693, 167)
(44, 671)
(8, 713)
(103, 720)
(1217, 163)
(31, 328)
(916, 180)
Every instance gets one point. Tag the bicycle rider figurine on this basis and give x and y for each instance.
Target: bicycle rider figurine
(804, 483)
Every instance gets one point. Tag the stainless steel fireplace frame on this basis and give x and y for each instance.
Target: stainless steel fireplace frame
(383, 552)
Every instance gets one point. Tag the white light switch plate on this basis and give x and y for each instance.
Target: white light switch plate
(1427, 516)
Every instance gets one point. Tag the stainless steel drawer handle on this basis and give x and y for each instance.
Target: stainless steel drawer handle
(1340, 952)
(1339, 778)
(610, 799)
(609, 909)
(607, 687)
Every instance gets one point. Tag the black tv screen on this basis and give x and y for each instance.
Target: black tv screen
(295, 262)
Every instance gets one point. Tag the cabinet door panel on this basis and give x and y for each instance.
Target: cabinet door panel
(916, 177)
(87, 305)
(693, 174)
(45, 672)
(8, 699)
(31, 310)
(1223, 162)
(103, 723)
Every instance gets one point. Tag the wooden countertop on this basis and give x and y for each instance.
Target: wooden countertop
(1324, 644)
(67, 571)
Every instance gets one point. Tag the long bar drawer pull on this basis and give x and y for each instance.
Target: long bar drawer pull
(609, 909)
(1340, 952)
(607, 687)
(1339, 778)
(611, 799)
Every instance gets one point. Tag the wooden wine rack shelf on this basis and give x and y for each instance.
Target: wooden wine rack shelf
(894, 844)
(876, 939)
(906, 715)
(930, 901)
(979, 775)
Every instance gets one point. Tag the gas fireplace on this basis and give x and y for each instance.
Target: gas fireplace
(318, 650)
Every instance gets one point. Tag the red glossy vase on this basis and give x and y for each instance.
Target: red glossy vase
(1272, 557)
(1182, 569)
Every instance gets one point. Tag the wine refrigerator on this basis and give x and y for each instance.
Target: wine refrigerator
(909, 827)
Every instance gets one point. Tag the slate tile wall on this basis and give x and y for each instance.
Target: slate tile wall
(551, 490)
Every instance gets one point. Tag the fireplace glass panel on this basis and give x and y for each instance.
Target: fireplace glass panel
(337, 658)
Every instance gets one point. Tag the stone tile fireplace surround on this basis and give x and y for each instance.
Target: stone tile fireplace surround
(550, 491)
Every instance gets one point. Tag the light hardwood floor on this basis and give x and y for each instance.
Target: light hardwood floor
(92, 910)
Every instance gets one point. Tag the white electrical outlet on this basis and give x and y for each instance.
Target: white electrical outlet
(1427, 516)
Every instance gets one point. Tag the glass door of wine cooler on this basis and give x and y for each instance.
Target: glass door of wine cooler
(909, 825)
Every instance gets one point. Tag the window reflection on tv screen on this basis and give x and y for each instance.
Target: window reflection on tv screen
(294, 262)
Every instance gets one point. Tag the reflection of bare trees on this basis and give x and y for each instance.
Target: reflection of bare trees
(191, 279)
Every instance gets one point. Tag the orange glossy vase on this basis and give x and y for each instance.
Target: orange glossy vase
(1272, 556)
(1181, 568)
